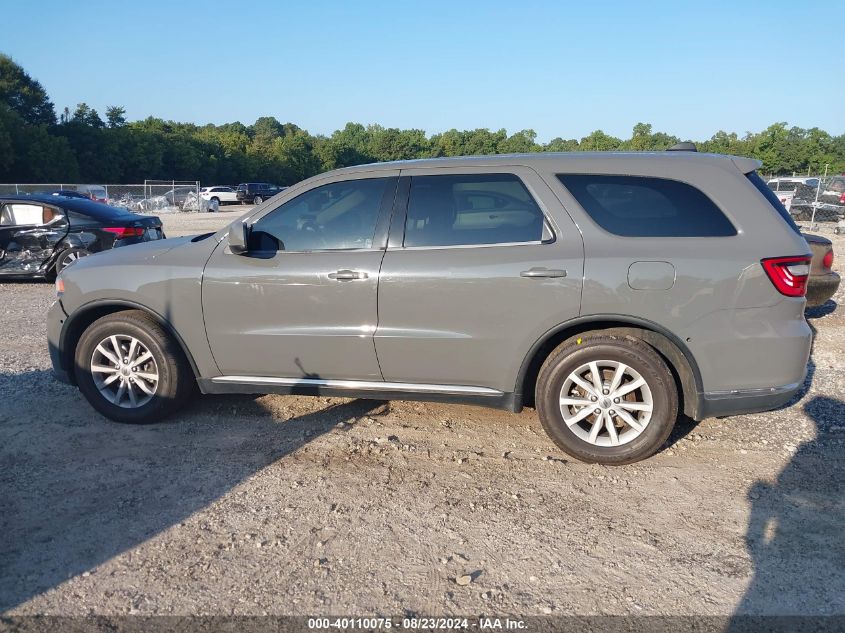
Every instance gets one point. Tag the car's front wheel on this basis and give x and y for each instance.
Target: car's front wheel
(130, 370)
(607, 399)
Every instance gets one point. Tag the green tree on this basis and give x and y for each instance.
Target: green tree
(24, 95)
(86, 115)
(116, 116)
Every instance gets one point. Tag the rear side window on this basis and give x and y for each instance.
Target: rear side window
(638, 206)
(471, 209)
(773, 200)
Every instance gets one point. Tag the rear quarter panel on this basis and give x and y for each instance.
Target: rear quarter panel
(722, 305)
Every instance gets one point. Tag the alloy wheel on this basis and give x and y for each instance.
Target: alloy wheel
(124, 371)
(606, 403)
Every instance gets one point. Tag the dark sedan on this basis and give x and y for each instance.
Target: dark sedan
(823, 282)
(41, 234)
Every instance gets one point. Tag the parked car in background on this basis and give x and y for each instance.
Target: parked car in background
(611, 298)
(257, 192)
(786, 187)
(823, 282)
(178, 196)
(223, 195)
(97, 193)
(41, 234)
(829, 206)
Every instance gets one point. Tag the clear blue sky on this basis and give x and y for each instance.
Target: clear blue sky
(561, 68)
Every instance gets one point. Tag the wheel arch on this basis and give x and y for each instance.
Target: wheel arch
(677, 355)
(84, 316)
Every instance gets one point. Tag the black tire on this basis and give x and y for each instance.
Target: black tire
(176, 382)
(69, 255)
(215, 199)
(257, 200)
(637, 355)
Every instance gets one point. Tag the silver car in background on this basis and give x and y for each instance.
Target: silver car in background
(613, 292)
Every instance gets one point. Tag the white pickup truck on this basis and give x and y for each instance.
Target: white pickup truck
(784, 187)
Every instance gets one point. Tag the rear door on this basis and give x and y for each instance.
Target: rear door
(29, 234)
(481, 263)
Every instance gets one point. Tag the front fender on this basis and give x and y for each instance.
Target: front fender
(164, 280)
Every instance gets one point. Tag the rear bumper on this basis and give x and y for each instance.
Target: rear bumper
(820, 288)
(717, 404)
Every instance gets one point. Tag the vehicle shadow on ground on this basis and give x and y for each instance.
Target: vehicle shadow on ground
(823, 310)
(794, 533)
(77, 490)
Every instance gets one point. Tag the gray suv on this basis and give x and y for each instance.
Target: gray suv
(613, 292)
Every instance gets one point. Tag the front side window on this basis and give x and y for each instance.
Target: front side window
(641, 206)
(471, 209)
(338, 216)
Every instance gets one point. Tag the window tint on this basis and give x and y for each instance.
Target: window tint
(340, 215)
(636, 206)
(471, 209)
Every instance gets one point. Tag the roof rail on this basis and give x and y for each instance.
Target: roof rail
(685, 146)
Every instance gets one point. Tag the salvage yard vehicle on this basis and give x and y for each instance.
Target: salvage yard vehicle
(222, 195)
(829, 204)
(256, 192)
(786, 188)
(40, 235)
(612, 291)
(823, 281)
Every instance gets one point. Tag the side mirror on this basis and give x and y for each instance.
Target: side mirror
(239, 238)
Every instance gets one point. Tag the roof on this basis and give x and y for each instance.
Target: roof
(560, 160)
(79, 205)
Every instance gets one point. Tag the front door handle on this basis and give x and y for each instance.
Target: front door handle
(348, 275)
(543, 272)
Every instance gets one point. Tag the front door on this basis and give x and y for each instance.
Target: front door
(302, 302)
(482, 263)
(29, 234)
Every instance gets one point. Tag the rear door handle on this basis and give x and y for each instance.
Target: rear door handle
(543, 272)
(348, 275)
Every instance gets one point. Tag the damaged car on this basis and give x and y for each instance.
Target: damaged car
(40, 235)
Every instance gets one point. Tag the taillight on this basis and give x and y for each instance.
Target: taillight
(121, 232)
(827, 262)
(842, 198)
(788, 274)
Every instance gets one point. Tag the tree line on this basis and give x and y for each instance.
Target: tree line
(79, 145)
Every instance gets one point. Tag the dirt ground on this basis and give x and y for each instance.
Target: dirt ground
(311, 506)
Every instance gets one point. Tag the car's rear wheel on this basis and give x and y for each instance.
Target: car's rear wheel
(130, 370)
(68, 256)
(607, 399)
(257, 200)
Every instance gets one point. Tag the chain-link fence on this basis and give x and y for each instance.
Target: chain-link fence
(811, 199)
(153, 196)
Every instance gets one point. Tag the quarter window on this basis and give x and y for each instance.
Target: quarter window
(637, 206)
(337, 216)
(471, 209)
